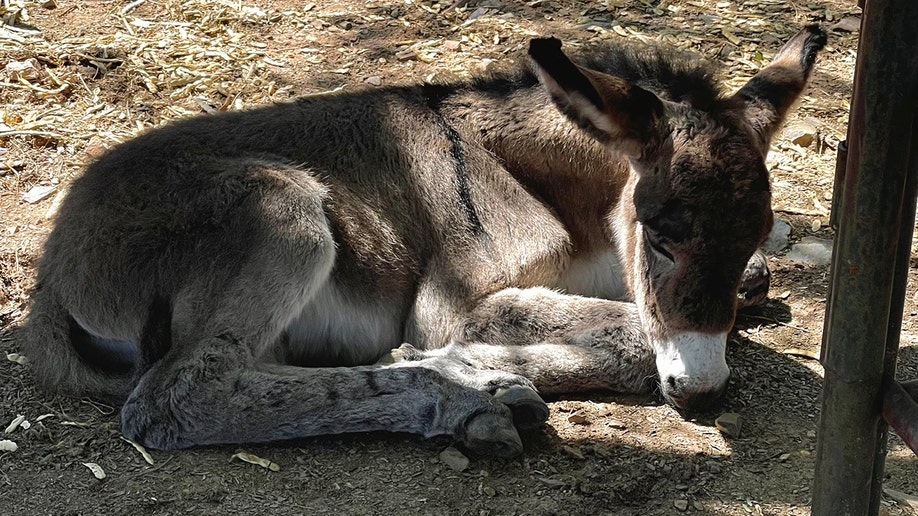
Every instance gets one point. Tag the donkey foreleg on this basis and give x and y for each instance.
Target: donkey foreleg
(559, 342)
(755, 281)
(562, 343)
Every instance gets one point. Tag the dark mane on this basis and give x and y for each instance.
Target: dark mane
(674, 75)
(677, 76)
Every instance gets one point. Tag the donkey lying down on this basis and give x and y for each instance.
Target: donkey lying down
(249, 276)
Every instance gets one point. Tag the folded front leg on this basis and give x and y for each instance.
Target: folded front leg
(561, 343)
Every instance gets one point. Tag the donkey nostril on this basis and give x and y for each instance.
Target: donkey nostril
(671, 382)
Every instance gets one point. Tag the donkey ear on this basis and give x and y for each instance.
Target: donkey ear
(612, 110)
(767, 97)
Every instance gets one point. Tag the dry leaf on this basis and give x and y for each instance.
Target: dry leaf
(254, 459)
(18, 420)
(143, 451)
(814, 355)
(96, 469)
(16, 357)
(730, 36)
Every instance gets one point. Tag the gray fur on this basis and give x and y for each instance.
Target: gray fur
(261, 267)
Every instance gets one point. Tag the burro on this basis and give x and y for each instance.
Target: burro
(425, 258)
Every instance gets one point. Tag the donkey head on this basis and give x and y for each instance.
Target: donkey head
(697, 202)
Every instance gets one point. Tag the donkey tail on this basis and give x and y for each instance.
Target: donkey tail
(52, 342)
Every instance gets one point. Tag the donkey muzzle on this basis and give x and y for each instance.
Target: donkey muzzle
(693, 370)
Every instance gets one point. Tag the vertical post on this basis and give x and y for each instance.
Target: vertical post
(864, 308)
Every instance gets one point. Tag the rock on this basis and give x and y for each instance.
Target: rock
(477, 13)
(729, 423)
(573, 452)
(682, 505)
(407, 55)
(451, 45)
(454, 459)
(375, 80)
(577, 419)
(801, 132)
(95, 148)
(50, 4)
(484, 66)
(847, 24)
(37, 193)
(777, 239)
(811, 250)
(27, 70)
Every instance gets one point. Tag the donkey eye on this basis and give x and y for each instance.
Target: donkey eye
(655, 243)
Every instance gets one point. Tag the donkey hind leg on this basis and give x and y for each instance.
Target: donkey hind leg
(209, 387)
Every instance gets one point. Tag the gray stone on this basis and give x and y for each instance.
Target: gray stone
(730, 423)
(812, 250)
(777, 239)
(37, 193)
(847, 24)
(801, 132)
(454, 459)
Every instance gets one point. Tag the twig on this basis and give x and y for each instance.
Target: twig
(799, 211)
(49, 134)
(131, 6)
(104, 409)
(151, 469)
(774, 321)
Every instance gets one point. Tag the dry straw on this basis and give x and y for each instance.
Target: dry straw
(189, 56)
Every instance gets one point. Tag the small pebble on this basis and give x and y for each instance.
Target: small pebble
(573, 452)
(729, 423)
(37, 193)
(454, 459)
(682, 505)
(802, 133)
(577, 419)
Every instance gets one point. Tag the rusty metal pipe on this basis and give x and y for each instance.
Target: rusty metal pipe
(911, 387)
(869, 261)
(900, 410)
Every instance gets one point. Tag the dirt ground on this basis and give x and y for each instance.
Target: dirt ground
(104, 70)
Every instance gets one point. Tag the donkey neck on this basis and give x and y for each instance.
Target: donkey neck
(575, 175)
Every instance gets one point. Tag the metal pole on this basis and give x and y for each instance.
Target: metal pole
(864, 309)
(897, 305)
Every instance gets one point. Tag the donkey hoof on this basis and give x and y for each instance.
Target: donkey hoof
(404, 353)
(755, 282)
(490, 434)
(528, 408)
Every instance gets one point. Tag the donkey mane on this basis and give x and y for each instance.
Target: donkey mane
(673, 75)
